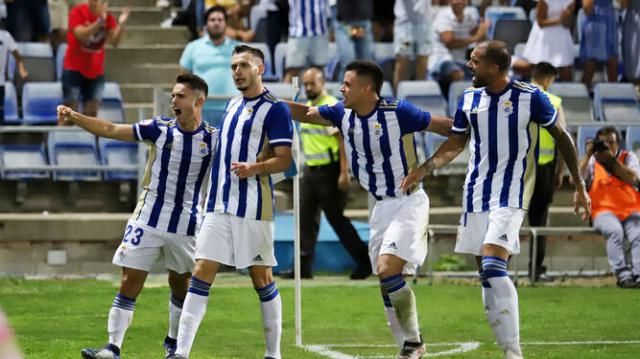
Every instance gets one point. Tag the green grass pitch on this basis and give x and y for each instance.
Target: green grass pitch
(56, 318)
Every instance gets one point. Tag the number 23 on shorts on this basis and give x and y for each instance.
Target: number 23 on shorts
(135, 238)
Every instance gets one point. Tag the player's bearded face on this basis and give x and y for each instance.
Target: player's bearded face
(479, 68)
(245, 69)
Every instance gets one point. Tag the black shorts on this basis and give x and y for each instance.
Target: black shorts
(77, 88)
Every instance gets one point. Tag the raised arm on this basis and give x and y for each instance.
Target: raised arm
(440, 125)
(307, 114)
(449, 150)
(97, 126)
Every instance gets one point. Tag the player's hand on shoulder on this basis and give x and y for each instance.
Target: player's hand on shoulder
(312, 111)
(244, 169)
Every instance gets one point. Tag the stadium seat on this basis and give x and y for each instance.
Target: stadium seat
(111, 106)
(62, 49)
(73, 148)
(118, 153)
(512, 31)
(577, 105)
(279, 55)
(39, 102)
(456, 167)
(281, 90)
(385, 57)
(495, 13)
(387, 90)
(39, 61)
(616, 103)
(633, 139)
(424, 94)
(213, 116)
(518, 50)
(455, 93)
(14, 158)
(10, 105)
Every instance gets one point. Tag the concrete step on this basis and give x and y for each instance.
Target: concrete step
(143, 73)
(135, 112)
(142, 15)
(140, 92)
(140, 54)
(154, 34)
(136, 3)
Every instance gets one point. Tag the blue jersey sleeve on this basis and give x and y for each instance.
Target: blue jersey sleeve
(146, 130)
(460, 120)
(542, 111)
(278, 125)
(411, 118)
(333, 113)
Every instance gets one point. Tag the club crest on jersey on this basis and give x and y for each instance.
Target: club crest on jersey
(507, 108)
(377, 130)
(203, 148)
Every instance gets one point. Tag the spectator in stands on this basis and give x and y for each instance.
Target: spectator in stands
(324, 185)
(59, 16)
(8, 46)
(550, 39)
(599, 39)
(210, 55)
(8, 347)
(456, 27)
(354, 38)
(91, 26)
(631, 41)
(308, 36)
(28, 20)
(549, 170)
(236, 11)
(383, 19)
(411, 37)
(612, 176)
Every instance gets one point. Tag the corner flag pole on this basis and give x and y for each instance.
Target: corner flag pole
(296, 225)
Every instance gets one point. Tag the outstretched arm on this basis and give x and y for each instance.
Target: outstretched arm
(449, 150)
(568, 150)
(97, 126)
(440, 125)
(308, 114)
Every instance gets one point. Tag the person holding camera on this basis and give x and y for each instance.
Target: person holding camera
(613, 175)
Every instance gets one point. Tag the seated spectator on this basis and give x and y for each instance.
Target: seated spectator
(209, 56)
(411, 37)
(308, 36)
(8, 45)
(550, 39)
(599, 39)
(612, 176)
(456, 27)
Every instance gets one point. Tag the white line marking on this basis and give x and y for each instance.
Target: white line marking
(324, 351)
(586, 342)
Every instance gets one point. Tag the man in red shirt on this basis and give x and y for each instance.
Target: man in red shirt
(90, 27)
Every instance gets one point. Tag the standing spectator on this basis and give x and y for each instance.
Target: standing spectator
(599, 40)
(411, 37)
(631, 41)
(308, 36)
(59, 16)
(324, 185)
(236, 11)
(8, 45)
(91, 26)
(28, 20)
(456, 27)
(354, 37)
(383, 20)
(550, 39)
(549, 170)
(612, 176)
(209, 56)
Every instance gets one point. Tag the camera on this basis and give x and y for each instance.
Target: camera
(599, 146)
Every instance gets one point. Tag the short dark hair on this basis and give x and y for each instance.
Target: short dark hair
(217, 8)
(239, 49)
(543, 70)
(194, 82)
(609, 130)
(497, 53)
(368, 69)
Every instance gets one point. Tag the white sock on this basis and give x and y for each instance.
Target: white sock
(193, 310)
(392, 322)
(271, 308)
(120, 317)
(404, 302)
(501, 301)
(175, 309)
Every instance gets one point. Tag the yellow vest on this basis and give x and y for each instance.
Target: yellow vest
(547, 146)
(319, 145)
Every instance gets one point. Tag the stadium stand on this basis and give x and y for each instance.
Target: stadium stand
(495, 13)
(39, 61)
(10, 105)
(111, 106)
(118, 153)
(73, 148)
(633, 139)
(39, 102)
(512, 31)
(424, 94)
(616, 102)
(455, 92)
(60, 60)
(15, 157)
(577, 105)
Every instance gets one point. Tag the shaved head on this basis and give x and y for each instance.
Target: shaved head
(313, 82)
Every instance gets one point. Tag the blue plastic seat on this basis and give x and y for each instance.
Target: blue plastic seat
(39, 102)
(576, 103)
(111, 107)
(423, 94)
(14, 158)
(616, 102)
(73, 148)
(118, 153)
(10, 105)
(455, 94)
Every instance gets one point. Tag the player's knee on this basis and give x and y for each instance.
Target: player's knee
(205, 270)
(261, 276)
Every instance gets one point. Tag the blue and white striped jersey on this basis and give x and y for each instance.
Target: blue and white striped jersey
(308, 18)
(175, 178)
(380, 145)
(247, 126)
(503, 144)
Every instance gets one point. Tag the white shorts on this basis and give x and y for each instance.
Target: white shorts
(412, 39)
(500, 227)
(398, 226)
(303, 52)
(142, 246)
(236, 241)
